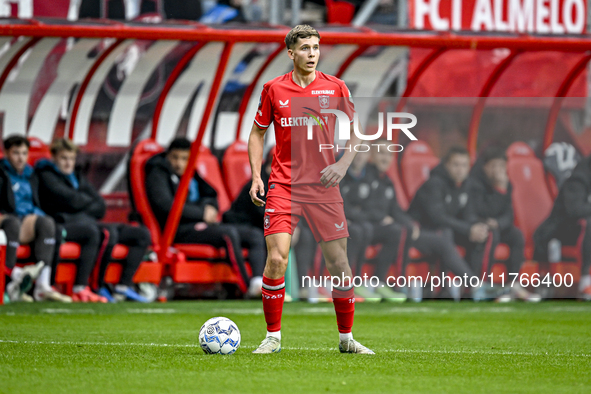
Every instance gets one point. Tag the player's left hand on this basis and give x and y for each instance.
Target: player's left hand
(333, 174)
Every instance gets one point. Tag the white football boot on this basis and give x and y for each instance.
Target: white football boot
(269, 345)
(352, 346)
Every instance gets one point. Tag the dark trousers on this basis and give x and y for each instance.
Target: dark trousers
(568, 233)
(513, 238)
(305, 251)
(478, 254)
(88, 235)
(220, 236)
(360, 236)
(252, 238)
(440, 244)
(392, 237)
(136, 238)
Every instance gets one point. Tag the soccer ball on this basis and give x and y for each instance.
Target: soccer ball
(219, 335)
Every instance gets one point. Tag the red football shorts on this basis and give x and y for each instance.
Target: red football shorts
(326, 220)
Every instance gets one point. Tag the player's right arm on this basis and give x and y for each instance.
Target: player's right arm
(256, 144)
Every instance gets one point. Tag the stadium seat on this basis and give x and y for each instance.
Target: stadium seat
(70, 251)
(236, 168)
(38, 150)
(208, 168)
(199, 268)
(532, 204)
(339, 11)
(416, 164)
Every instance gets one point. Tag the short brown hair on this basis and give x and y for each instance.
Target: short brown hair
(300, 31)
(16, 140)
(62, 144)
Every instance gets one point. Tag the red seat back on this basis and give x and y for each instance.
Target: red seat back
(38, 150)
(339, 11)
(417, 162)
(137, 180)
(532, 202)
(236, 168)
(209, 169)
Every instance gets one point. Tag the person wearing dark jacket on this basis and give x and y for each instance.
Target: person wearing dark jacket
(370, 205)
(199, 222)
(440, 205)
(23, 221)
(249, 217)
(71, 200)
(355, 190)
(570, 216)
(428, 242)
(489, 202)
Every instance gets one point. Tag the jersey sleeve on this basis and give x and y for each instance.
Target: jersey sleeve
(347, 105)
(264, 115)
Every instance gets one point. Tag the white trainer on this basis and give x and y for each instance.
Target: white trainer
(13, 289)
(50, 294)
(352, 346)
(21, 285)
(269, 345)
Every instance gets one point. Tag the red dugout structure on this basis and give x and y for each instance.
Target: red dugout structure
(202, 60)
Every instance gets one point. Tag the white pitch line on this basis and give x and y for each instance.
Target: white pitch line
(502, 353)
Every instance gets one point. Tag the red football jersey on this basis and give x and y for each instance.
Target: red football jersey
(298, 160)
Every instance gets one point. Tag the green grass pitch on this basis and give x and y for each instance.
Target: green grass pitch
(433, 347)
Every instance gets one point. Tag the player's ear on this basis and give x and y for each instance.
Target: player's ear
(290, 53)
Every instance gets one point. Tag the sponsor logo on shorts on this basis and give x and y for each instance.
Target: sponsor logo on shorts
(340, 227)
(267, 222)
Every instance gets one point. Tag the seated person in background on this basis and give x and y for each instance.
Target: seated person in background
(199, 222)
(70, 199)
(355, 189)
(489, 202)
(24, 222)
(572, 204)
(249, 217)
(373, 219)
(437, 244)
(440, 206)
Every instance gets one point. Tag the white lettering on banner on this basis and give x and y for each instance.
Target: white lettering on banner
(531, 16)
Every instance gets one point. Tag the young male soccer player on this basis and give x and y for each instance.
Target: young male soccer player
(304, 180)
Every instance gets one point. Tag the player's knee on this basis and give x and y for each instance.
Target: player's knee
(11, 226)
(336, 260)
(45, 227)
(276, 259)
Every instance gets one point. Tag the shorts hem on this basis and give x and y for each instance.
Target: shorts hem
(333, 238)
(278, 232)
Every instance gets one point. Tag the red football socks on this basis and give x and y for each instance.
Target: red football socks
(344, 306)
(273, 297)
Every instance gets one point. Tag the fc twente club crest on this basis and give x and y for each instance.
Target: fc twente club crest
(324, 101)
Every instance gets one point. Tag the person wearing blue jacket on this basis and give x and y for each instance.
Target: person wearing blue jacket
(67, 196)
(24, 222)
